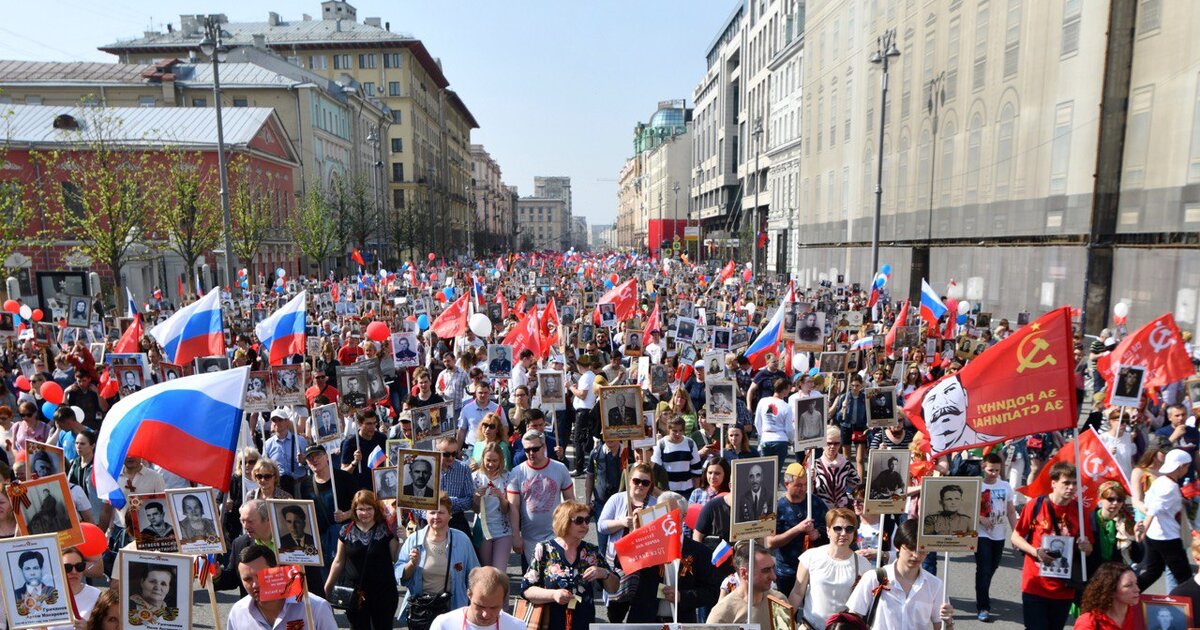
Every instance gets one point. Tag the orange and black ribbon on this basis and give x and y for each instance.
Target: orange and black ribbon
(18, 494)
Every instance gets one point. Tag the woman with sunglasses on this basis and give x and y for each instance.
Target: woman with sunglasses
(491, 504)
(240, 485)
(30, 427)
(826, 574)
(617, 520)
(491, 432)
(74, 564)
(564, 568)
(266, 473)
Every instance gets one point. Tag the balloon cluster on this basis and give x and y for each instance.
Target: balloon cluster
(22, 311)
(964, 308)
(881, 278)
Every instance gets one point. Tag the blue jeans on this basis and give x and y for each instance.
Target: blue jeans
(930, 562)
(778, 450)
(1041, 613)
(987, 560)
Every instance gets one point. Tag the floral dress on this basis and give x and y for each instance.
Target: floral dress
(550, 569)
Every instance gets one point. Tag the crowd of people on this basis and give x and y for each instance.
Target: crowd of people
(510, 459)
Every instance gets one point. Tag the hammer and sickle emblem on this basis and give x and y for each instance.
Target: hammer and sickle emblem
(1028, 360)
(1161, 338)
(669, 527)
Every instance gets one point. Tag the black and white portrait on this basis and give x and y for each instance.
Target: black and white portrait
(79, 313)
(169, 372)
(43, 460)
(608, 315)
(129, 378)
(152, 524)
(205, 365)
(881, 407)
(352, 384)
(722, 339)
(287, 384)
(1193, 391)
(569, 313)
(1127, 387)
(908, 337)
(258, 392)
(325, 423)
(621, 412)
(887, 480)
(294, 526)
(949, 517)
(688, 355)
(833, 362)
(1162, 615)
(35, 583)
(156, 590)
(633, 343)
(196, 524)
(51, 510)
(810, 331)
(385, 482)
(685, 330)
(495, 313)
(1056, 561)
(660, 378)
(551, 387)
(714, 365)
(404, 350)
(721, 406)
(753, 488)
(500, 360)
(586, 334)
(810, 422)
(420, 479)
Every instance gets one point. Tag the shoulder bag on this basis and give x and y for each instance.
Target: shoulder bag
(424, 608)
(351, 598)
(532, 615)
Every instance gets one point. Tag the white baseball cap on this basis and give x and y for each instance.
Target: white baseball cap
(1176, 459)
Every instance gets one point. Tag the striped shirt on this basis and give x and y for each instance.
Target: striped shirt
(681, 461)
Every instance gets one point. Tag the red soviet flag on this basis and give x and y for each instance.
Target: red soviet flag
(901, 320)
(624, 296)
(550, 326)
(1158, 347)
(654, 321)
(726, 272)
(657, 542)
(1098, 468)
(131, 339)
(453, 321)
(525, 334)
(1023, 385)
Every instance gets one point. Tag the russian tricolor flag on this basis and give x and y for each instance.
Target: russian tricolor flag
(283, 333)
(195, 330)
(768, 340)
(932, 308)
(722, 553)
(863, 343)
(188, 426)
(377, 458)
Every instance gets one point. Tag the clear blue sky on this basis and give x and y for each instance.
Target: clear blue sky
(556, 85)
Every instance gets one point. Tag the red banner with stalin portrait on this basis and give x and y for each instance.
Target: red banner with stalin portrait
(1020, 386)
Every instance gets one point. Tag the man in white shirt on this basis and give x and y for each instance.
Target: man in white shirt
(487, 592)
(913, 598)
(584, 402)
(473, 412)
(520, 371)
(1164, 502)
(249, 613)
(774, 422)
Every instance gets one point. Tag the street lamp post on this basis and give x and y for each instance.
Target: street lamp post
(757, 133)
(675, 209)
(886, 49)
(212, 47)
(921, 255)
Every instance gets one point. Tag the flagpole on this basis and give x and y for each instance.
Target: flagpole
(1079, 497)
(675, 608)
(212, 601)
(809, 483)
(750, 587)
(879, 545)
(946, 584)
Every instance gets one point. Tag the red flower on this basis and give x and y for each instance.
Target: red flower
(458, 566)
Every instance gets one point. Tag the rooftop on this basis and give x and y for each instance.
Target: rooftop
(135, 126)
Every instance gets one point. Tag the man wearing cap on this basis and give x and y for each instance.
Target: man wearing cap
(285, 448)
(1164, 502)
(331, 490)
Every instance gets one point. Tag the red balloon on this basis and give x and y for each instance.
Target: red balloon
(38, 315)
(378, 331)
(439, 296)
(109, 390)
(410, 318)
(13, 307)
(62, 323)
(432, 257)
(52, 392)
(22, 383)
(94, 541)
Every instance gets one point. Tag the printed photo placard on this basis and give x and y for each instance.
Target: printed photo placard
(753, 488)
(156, 590)
(294, 528)
(949, 518)
(35, 584)
(196, 520)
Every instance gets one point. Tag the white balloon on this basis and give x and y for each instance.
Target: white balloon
(26, 312)
(480, 324)
(750, 307)
(1120, 309)
(964, 308)
(800, 362)
(78, 413)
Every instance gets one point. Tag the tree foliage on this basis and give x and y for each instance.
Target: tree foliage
(16, 212)
(250, 208)
(358, 215)
(190, 218)
(314, 227)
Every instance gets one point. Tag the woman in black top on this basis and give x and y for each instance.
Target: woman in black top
(366, 553)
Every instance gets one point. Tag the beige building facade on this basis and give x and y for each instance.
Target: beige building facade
(542, 224)
(494, 217)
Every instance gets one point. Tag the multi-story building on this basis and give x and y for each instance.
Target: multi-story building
(1044, 153)
(494, 225)
(600, 237)
(542, 224)
(425, 149)
(558, 187)
(579, 233)
(631, 225)
(649, 185)
(783, 137)
(760, 33)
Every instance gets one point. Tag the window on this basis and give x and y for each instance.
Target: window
(979, 71)
(240, 102)
(1137, 137)
(833, 116)
(952, 59)
(1149, 15)
(849, 105)
(391, 60)
(1072, 14)
(397, 172)
(1012, 38)
(146, 101)
(974, 146)
(1005, 138)
(927, 65)
(341, 62)
(397, 199)
(368, 88)
(397, 145)
(366, 61)
(1060, 150)
(393, 88)
(907, 72)
(318, 62)
(945, 180)
(199, 102)
(396, 116)
(902, 177)
(72, 199)
(33, 100)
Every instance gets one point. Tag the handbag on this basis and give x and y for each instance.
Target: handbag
(532, 615)
(424, 608)
(351, 598)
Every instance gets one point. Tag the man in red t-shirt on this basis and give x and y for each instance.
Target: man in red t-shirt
(350, 350)
(321, 387)
(1046, 601)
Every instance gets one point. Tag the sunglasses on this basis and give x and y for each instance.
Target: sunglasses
(833, 444)
(640, 482)
(449, 454)
(580, 520)
(843, 529)
(264, 477)
(532, 449)
(489, 426)
(78, 567)
(26, 415)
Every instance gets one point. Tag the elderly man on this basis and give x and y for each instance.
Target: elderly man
(250, 612)
(535, 488)
(255, 517)
(487, 593)
(286, 449)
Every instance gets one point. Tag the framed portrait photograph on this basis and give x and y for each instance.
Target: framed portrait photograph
(325, 423)
(98, 350)
(810, 414)
(168, 371)
(660, 379)
(1193, 391)
(790, 317)
(881, 407)
(1022, 318)
(294, 528)
(156, 590)
(430, 422)
(393, 446)
(1166, 612)
(404, 350)
(376, 387)
(551, 388)
(129, 378)
(783, 615)
(983, 320)
(714, 365)
(1127, 388)
(585, 333)
(608, 315)
(258, 392)
(634, 340)
(499, 360)
(35, 583)
(908, 337)
(287, 384)
(753, 489)
(721, 405)
(8, 325)
(420, 479)
(51, 510)
(810, 331)
(688, 355)
(197, 521)
(205, 365)
(722, 338)
(833, 362)
(949, 518)
(685, 329)
(621, 412)
(384, 481)
(352, 384)
(1058, 563)
(43, 460)
(44, 334)
(79, 311)
(887, 480)
(151, 523)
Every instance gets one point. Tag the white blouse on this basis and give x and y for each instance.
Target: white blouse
(830, 582)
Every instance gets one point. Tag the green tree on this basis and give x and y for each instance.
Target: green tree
(16, 212)
(190, 219)
(250, 209)
(314, 228)
(358, 215)
(99, 194)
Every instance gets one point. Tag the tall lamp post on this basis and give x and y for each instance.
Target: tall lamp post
(921, 254)
(212, 47)
(757, 133)
(885, 50)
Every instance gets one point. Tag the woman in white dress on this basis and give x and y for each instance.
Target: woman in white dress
(827, 574)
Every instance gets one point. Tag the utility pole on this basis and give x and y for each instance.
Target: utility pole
(886, 49)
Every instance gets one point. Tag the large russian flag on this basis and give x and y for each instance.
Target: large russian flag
(188, 426)
(195, 330)
(932, 308)
(283, 333)
(768, 340)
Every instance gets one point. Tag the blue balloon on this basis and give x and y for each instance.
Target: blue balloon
(886, 269)
(962, 319)
(16, 320)
(608, 284)
(814, 371)
(48, 409)
(448, 292)
(423, 321)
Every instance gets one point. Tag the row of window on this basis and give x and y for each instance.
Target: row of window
(366, 61)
